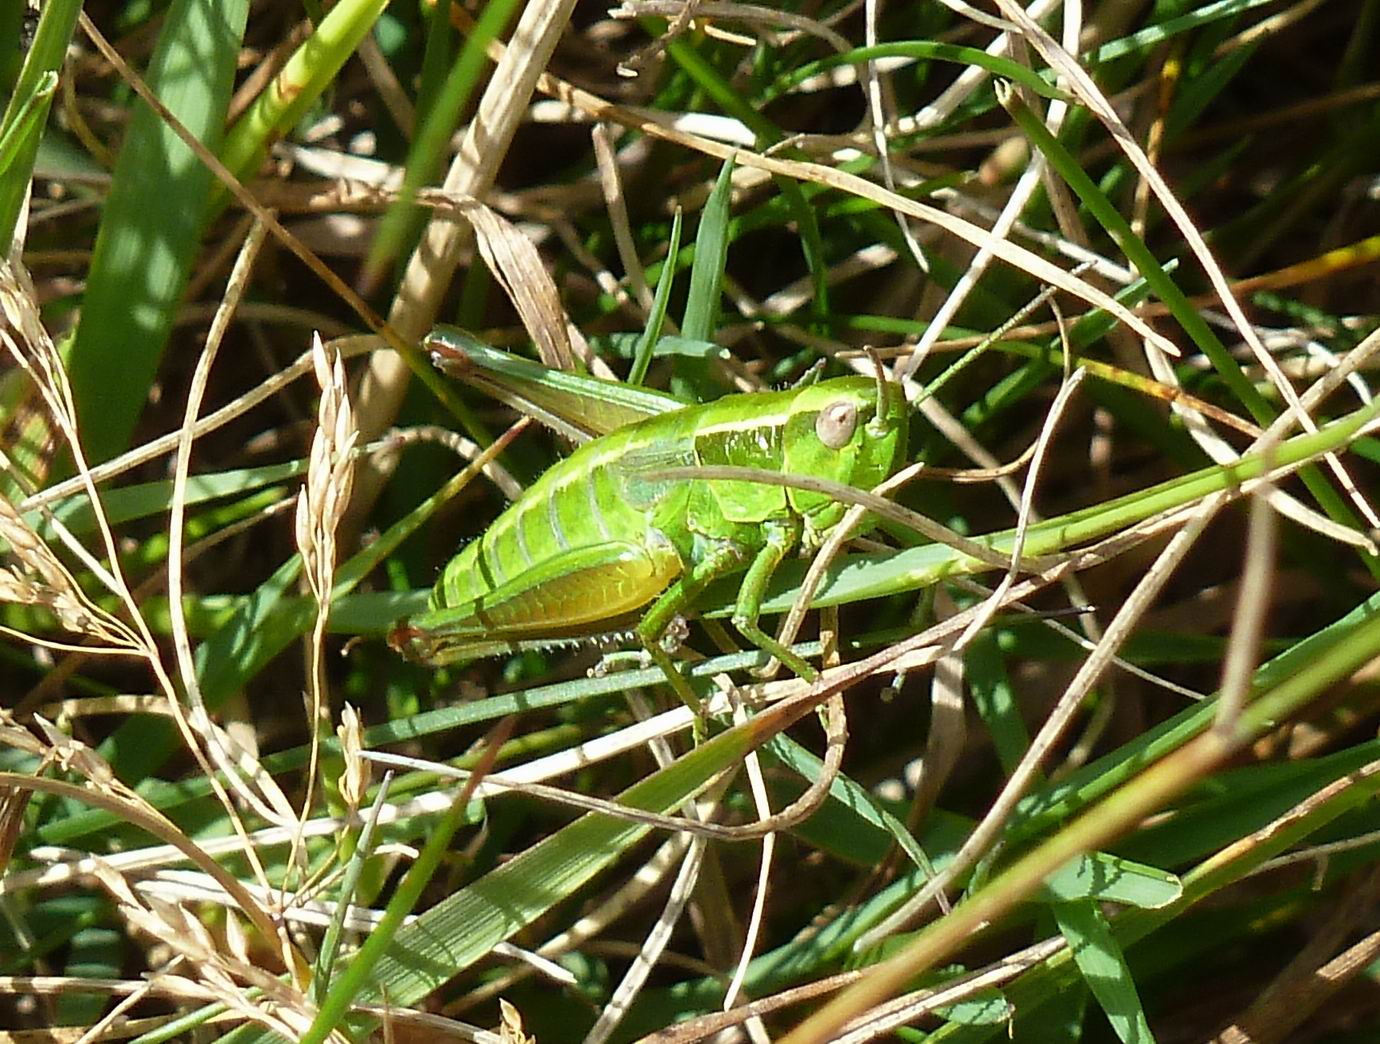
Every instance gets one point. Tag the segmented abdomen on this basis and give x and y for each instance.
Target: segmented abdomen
(581, 501)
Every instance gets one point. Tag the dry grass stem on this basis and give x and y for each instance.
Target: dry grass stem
(245, 777)
(618, 215)
(1030, 179)
(321, 507)
(657, 938)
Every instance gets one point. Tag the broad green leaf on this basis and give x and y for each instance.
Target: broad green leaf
(152, 223)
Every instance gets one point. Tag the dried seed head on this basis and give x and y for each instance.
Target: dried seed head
(39, 578)
(330, 472)
(24, 336)
(354, 781)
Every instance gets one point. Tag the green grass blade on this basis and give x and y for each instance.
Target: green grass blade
(308, 73)
(922, 50)
(151, 228)
(20, 132)
(44, 60)
(1107, 878)
(1104, 968)
(642, 355)
(147, 499)
(711, 254)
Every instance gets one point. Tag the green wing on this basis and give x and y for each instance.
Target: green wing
(575, 405)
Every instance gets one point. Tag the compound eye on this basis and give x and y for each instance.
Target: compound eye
(836, 423)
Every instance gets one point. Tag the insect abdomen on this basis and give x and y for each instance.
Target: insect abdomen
(580, 502)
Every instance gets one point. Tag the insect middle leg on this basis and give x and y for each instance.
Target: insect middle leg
(723, 558)
(781, 537)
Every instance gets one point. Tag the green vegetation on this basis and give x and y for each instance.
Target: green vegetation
(1091, 750)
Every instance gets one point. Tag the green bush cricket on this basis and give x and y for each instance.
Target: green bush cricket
(605, 539)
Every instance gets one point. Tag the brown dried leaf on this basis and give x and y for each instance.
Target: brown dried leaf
(12, 806)
(510, 1025)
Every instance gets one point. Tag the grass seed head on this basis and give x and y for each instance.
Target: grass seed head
(330, 472)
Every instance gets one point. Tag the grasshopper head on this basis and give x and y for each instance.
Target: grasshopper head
(851, 430)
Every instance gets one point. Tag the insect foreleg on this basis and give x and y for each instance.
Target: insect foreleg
(781, 537)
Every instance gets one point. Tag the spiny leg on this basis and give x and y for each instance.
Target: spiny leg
(781, 536)
(724, 558)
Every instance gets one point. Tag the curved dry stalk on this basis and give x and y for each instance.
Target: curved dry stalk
(1025, 187)
(797, 811)
(271, 804)
(938, 111)
(617, 206)
(1083, 86)
(871, 80)
(1056, 411)
(156, 824)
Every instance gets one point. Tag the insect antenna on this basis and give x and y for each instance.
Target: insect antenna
(883, 392)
